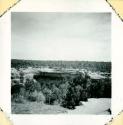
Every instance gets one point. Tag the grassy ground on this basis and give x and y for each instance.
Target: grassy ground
(36, 108)
(92, 106)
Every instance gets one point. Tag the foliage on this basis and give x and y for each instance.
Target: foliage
(40, 97)
(100, 88)
(36, 96)
(14, 73)
(69, 101)
(17, 92)
(17, 98)
(48, 95)
(31, 85)
(53, 88)
(76, 92)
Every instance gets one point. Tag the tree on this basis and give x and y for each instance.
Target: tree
(31, 85)
(48, 94)
(69, 101)
(55, 93)
(17, 92)
(77, 91)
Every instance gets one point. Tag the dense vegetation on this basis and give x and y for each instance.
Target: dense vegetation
(65, 91)
(89, 65)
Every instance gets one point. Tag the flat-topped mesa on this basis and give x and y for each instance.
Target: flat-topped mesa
(66, 74)
(52, 75)
(20, 76)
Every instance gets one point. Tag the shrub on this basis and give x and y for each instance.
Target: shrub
(17, 89)
(107, 90)
(76, 91)
(40, 97)
(31, 85)
(15, 82)
(69, 101)
(17, 98)
(36, 96)
(48, 94)
(78, 94)
(17, 92)
(14, 73)
(100, 88)
(32, 96)
(63, 91)
(55, 93)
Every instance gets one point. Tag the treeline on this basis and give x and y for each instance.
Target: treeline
(67, 92)
(89, 65)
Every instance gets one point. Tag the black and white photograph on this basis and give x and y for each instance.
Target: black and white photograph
(61, 63)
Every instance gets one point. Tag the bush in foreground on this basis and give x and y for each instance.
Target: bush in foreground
(36, 96)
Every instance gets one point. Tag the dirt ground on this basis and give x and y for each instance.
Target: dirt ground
(92, 106)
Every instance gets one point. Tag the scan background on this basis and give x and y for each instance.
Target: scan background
(61, 6)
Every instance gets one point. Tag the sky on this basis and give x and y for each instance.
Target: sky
(61, 36)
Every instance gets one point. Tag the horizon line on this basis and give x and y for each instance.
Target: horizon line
(60, 60)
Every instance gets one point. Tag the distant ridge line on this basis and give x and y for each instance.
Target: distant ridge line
(61, 60)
